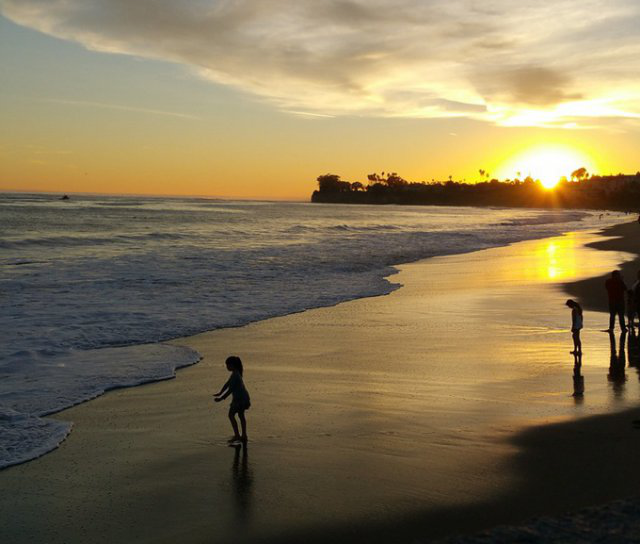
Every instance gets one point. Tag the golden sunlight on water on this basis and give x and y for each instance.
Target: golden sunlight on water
(549, 260)
(557, 259)
(561, 259)
(564, 258)
(429, 389)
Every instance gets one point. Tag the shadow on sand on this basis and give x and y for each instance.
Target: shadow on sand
(559, 468)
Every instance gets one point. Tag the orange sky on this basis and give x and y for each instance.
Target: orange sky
(255, 103)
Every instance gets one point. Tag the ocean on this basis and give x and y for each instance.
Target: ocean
(91, 287)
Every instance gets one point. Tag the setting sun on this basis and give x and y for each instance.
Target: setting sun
(548, 164)
(208, 182)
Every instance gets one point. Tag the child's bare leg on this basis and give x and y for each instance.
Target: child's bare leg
(577, 344)
(243, 422)
(234, 424)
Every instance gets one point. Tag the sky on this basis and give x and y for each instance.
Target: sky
(256, 98)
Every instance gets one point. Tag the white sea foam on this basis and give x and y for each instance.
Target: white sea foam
(88, 284)
(36, 384)
(26, 437)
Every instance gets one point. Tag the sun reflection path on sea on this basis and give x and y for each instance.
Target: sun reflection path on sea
(557, 260)
(554, 269)
(564, 259)
(554, 259)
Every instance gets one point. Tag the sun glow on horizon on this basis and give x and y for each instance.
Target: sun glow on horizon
(546, 163)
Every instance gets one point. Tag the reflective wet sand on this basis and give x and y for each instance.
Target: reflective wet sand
(416, 414)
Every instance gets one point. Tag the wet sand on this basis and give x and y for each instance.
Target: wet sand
(441, 409)
(622, 238)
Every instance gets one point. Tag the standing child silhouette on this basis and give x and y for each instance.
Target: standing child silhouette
(240, 400)
(576, 326)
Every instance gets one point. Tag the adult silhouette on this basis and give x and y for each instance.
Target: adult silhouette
(616, 290)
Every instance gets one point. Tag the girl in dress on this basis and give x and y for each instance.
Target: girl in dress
(240, 400)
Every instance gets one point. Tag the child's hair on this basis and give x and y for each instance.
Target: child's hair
(573, 304)
(234, 363)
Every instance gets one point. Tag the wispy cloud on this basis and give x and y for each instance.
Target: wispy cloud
(310, 114)
(102, 105)
(497, 60)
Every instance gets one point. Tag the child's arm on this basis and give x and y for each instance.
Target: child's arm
(228, 388)
(220, 396)
(224, 387)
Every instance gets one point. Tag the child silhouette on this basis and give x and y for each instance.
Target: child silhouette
(240, 400)
(576, 326)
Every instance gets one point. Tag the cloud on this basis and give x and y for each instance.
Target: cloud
(121, 108)
(528, 85)
(489, 59)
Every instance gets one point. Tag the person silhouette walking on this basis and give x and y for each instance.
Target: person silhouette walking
(616, 290)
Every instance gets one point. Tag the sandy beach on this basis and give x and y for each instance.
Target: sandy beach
(444, 408)
(625, 238)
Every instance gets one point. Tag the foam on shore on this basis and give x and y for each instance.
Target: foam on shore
(398, 418)
(84, 279)
(59, 381)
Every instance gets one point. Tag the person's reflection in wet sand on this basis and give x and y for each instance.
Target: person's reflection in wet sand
(634, 350)
(617, 364)
(578, 380)
(242, 479)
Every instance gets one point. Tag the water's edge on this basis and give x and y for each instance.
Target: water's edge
(38, 434)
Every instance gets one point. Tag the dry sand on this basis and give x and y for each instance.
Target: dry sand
(443, 408)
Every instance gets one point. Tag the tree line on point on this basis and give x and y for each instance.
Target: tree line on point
(619, 192)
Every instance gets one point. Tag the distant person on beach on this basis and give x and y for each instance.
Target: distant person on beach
(240, 400)
(576, 326)
(616, 290)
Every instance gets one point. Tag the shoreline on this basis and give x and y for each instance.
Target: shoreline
(624, 237)
(388, 285)
(604, 522)
(126, 440)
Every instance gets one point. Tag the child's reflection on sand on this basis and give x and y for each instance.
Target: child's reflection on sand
(578, 379)
(242, 479)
